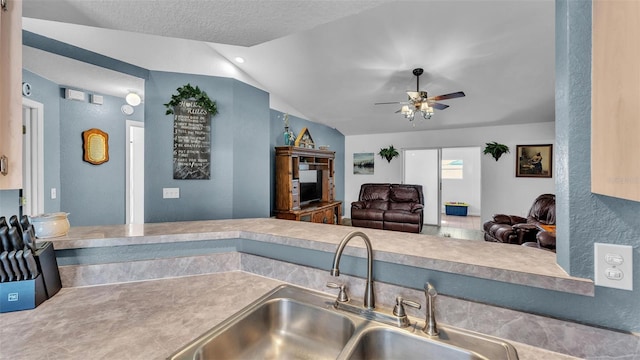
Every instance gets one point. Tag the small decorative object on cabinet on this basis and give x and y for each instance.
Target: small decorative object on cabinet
(304, 139)
(305, 188)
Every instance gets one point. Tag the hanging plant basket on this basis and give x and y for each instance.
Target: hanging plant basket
(496, 150)
(189, 92)
(388, 153)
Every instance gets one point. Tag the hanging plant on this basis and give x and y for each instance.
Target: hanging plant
(189, 92)
(388, 153)
(496, 150)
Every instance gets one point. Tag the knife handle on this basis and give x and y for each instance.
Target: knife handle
(22, 265)
(15, 223)
(29, 239)
(16, 239)
(3, 221)
(14, 265)
(3, 275)
(4, 259)
(31, 263)
(4, 238)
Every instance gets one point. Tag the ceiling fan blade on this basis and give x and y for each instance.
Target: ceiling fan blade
(447, 96)
(387, 103)
(438, 106)
(398, 111)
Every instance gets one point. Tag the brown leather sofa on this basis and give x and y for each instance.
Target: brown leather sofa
(513, 229)
(386, 206)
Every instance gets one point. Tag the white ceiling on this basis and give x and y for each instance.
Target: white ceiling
(332, 60)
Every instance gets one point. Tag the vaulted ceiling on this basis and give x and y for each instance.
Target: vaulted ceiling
(332, 60)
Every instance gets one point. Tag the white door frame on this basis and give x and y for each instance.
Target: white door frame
(130, 211)
(33, 158)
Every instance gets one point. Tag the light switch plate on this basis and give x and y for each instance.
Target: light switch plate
(613, 266)
(171, 193)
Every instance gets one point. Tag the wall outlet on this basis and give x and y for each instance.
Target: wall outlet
(613, 266)
(54, 193)
(171, 193)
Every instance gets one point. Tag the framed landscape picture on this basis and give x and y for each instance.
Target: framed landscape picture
(363, 163)
(534, 161)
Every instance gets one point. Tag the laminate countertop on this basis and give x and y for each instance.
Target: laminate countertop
(140, 320)
(499, 262)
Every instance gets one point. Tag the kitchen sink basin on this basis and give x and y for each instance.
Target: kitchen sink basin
(381, 343)
(296, 323)
(284, 326)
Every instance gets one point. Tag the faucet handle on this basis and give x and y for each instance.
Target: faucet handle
(398, 310)
(342, 295)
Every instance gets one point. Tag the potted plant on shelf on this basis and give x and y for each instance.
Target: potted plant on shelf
(496, 150)
(388, 153)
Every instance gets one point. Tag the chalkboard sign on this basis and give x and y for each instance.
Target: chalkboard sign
(191, 142)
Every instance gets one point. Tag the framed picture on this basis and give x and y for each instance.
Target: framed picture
(534, 161)
(363, 163)
(95, 146)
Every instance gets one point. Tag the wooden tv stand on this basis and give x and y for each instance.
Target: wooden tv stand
(291, 161)
(321, 212)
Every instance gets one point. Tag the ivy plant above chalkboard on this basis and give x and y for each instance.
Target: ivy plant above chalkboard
(189, 92)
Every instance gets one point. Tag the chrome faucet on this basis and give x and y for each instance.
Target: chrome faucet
(430, 326)
(369, 301)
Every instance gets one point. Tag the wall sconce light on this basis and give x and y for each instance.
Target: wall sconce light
(133, 99)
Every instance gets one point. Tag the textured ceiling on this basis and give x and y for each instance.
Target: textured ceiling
(332, 60)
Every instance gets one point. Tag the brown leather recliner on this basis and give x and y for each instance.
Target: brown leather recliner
(387, 206)
(513, 229)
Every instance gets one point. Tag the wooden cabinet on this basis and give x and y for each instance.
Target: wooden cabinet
(615, 90)
(11, 95)
(305, 187)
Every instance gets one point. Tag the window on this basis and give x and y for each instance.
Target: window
(452, 169)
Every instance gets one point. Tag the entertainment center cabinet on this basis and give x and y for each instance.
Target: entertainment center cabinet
(305, 189)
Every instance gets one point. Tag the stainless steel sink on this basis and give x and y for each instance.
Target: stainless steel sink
(296, 323)
(388, 343)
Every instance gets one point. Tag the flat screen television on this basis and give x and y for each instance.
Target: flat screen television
(310, 186)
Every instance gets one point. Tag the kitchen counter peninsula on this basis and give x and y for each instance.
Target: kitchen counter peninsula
(479, 259)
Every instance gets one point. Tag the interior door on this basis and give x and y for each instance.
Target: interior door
(422, 167)
(32, 201)
(135, 172)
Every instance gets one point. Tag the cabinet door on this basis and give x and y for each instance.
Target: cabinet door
(615, 165)
(318, 216)
(11, 99)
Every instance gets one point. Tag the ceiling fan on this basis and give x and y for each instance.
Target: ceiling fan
(419, 102)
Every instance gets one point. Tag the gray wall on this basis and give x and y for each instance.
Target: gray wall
(321, 135)
(584, 218)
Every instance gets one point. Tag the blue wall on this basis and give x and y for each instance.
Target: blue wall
(584, 218)
(321, 135)
(93, 194)
(47, 93)
(239, 184)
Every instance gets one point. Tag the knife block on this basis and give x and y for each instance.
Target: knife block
(22, 295)
(48, 267)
